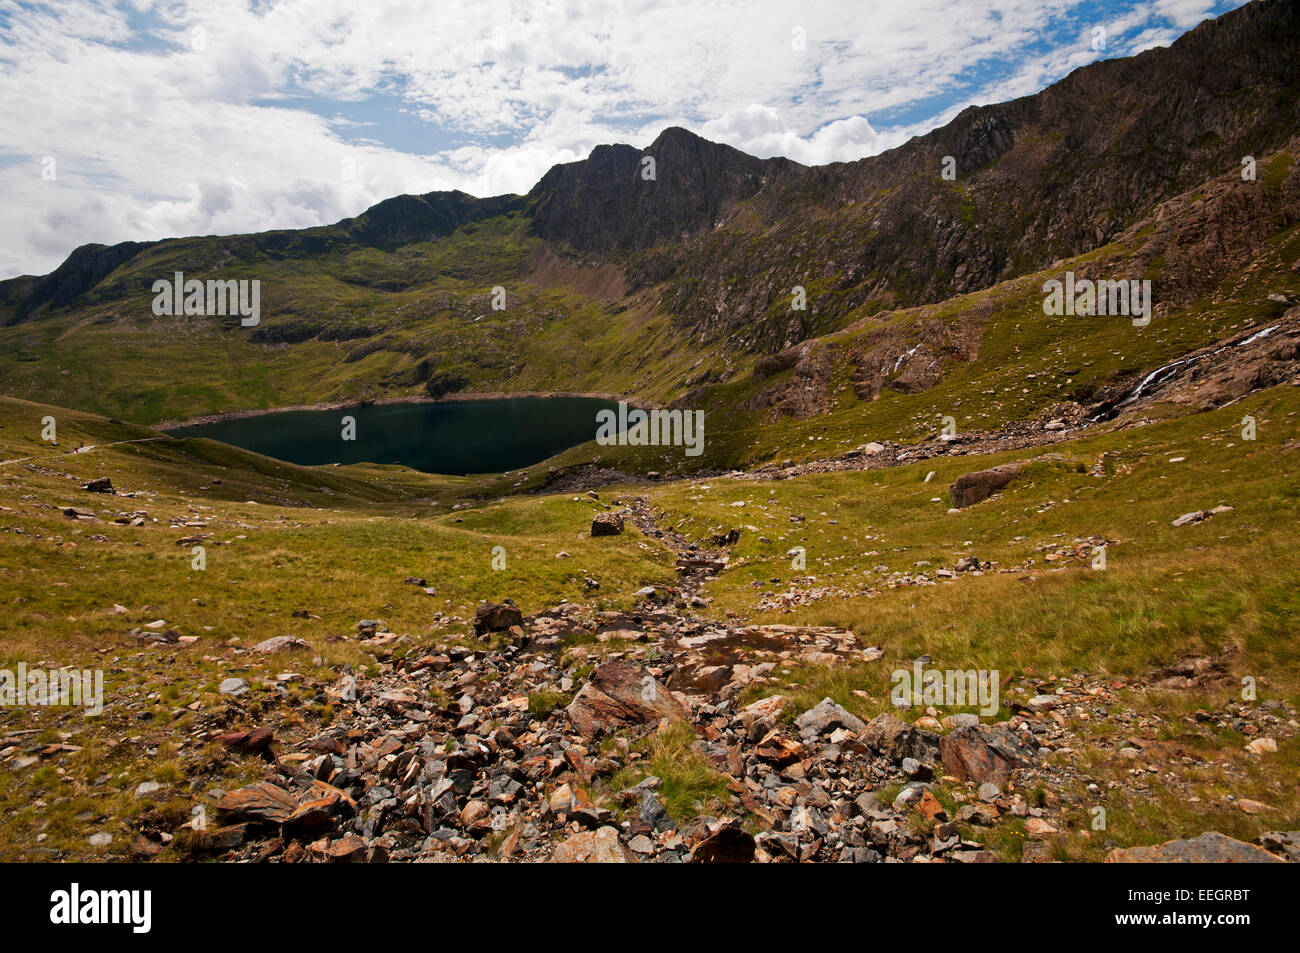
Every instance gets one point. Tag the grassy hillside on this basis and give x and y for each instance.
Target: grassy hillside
(418, 319)
(308, 551)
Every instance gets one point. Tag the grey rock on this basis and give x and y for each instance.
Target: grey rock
(896, 740)
(653, 813)
(826, 716)
(910, 794)
(281, 643)
(1283, 843)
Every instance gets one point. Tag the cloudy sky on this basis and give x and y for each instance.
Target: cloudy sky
(138, 119)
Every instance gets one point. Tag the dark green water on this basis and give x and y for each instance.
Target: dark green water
(458, 437)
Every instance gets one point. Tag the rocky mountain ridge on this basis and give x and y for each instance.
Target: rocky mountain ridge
(1039, 178)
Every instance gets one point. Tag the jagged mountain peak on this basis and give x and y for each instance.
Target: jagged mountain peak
(1039, 178)
(621, 198)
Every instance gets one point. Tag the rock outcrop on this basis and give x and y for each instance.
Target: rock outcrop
(1209, 848)
(972, 488)
(619, 695)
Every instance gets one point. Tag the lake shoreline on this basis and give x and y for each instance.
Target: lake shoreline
(461, 397)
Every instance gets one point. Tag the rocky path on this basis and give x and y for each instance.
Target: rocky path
(871, 456)
(658, 736)
(695, 564)
(117, 443)
(83, 449)
(544, 743)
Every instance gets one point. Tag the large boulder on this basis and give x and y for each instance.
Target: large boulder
(984, 754)
(259, 801)
(728, 844)
(496, 618)
(896, 740)
(607, 524)
(1209, 848)
(1283, 843)
(826, 716)
(281, 643)
(622, 694)
(652, 813)
(971, 488)
(600, 846)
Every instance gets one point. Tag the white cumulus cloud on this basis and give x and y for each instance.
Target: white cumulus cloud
(185, 117)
